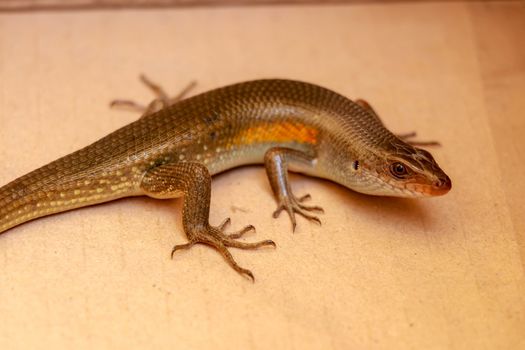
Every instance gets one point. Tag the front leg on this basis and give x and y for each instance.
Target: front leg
(193, 181)
(276, 162)
(405, 137)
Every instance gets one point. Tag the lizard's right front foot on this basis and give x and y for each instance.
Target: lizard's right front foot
(216, 238)
(294, 205)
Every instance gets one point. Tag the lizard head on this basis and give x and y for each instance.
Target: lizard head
(402, 171)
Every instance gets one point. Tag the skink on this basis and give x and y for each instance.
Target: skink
(176, 146)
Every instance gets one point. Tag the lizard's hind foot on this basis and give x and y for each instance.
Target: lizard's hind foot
(216, 238)
(161, 101)
(237, 234)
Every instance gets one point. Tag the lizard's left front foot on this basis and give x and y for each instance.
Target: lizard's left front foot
(408, 136)
(294, 205)
(405, 137)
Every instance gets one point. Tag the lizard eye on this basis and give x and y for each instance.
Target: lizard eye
(398, 170)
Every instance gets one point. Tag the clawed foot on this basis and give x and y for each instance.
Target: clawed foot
(294, 205)
(408, 136)
(216, 238)
(405, 137)
(161, 101)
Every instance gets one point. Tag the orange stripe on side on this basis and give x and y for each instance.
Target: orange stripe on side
(279, 132)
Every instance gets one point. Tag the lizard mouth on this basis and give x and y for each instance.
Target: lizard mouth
(438, 188)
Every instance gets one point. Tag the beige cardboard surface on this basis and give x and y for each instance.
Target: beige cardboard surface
(381, 273)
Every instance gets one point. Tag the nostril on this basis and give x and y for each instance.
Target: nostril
(443, 183)
(446, 183)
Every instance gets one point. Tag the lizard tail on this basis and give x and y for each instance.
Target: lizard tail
(21, 200)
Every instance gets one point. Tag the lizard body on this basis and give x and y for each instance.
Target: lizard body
(174, 151)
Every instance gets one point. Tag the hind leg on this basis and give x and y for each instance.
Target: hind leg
(161, 101)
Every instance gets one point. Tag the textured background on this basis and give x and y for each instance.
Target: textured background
(380, 273)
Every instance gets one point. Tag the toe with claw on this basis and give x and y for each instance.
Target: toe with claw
(409, 138)
(293, 205)
(161, 101)
(221, 241)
